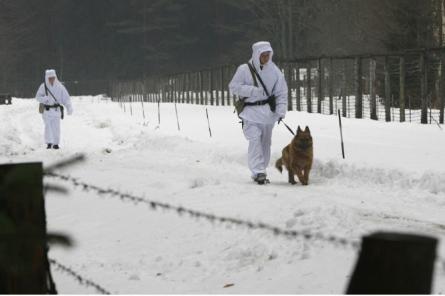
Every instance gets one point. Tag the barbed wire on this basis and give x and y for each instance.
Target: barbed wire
(181, 211)
(79, 278)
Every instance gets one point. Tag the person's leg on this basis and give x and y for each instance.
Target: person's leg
(252, 132)
(48, 130)
(55, 126)
(266, 142)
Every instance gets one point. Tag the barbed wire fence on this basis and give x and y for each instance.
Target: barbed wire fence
(211, 218)
(198, 215)
(49, 172)
(181, 212)
(78, 277)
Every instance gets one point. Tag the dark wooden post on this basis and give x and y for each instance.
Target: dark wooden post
(331, 87)
(158, 89)
(131, 103)
(372, 88)
(345, 92)
(170, 83)
(176, 84)
(183, 87)
(188, 87)
(211, 86)
(387, 91)
(394, 263)
(23, 250)
(194, 93)
(441, 95)
(223, 82)
(226, 86)
(298, 86)
(358, 89)
(309, 88)
(201, 88)
(402, 89)
(320, 85)
(289, 85)
(423, 90)
(216, 83)
(233, 96)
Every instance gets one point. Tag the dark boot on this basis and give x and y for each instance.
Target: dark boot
(56, 147)
(49, 146)
(261, 179)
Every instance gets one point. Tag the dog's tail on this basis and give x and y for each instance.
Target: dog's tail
(279, 165)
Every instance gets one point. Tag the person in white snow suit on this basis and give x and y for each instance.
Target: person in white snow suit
(54, 97)
(264, 105)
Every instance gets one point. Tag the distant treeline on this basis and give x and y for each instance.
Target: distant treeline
(115, 39)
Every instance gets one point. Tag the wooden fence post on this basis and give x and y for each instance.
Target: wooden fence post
(394, 263)
(344, 92)
(289, 82)
(358, 89)
(298, 86)
(183, 88)
(320, 93)
(212, 87)
(194, 87)
(423, 90)
(402, 89)
(233, 96)
(188, 87)
(170, 82)
(23, 248)
(372, 88)
(441, 95)
(387, 91)
(309, 88)
(331, 87)
(222, 87)
(226, 86)
(201, 88)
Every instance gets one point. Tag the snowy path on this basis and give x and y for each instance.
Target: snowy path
(393, 179)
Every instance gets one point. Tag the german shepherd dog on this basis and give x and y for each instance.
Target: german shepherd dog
(297, 157)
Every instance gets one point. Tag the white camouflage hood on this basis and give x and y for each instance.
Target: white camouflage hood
(257, 49)
(51, 73)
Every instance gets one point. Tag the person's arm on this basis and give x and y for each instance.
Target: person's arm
(281, 95)
(66, 101)
(240, 87)
(41, 96)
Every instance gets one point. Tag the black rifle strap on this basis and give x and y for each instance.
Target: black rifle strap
(252, 69)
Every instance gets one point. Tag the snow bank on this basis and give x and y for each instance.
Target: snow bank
(392, 179)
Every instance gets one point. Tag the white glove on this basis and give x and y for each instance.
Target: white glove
(46, 100)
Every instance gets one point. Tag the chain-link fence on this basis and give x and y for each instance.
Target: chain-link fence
(405, 86)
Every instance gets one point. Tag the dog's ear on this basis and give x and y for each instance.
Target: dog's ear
(299, 130)
(307, 130)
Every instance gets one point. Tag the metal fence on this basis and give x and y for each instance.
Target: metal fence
(403, 86)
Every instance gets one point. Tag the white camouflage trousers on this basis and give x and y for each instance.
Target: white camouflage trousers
(52, 128)
(260, 140)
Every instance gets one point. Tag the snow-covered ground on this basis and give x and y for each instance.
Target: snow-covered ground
(393, 178)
